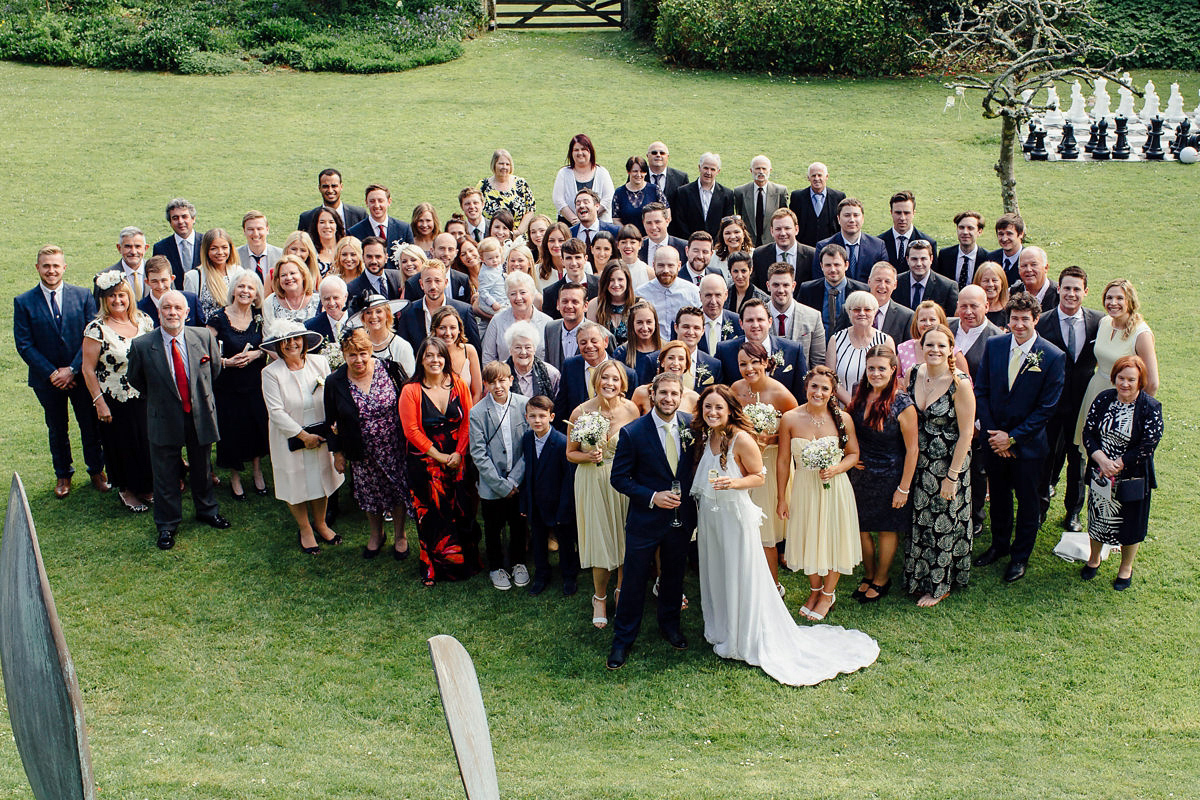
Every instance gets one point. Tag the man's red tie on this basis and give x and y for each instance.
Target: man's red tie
(783, 324)
(181, 380)
(382, 233)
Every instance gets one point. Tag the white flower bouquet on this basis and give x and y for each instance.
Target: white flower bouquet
(590, 430)
(821, 454)
(763, 418)
(333, 354)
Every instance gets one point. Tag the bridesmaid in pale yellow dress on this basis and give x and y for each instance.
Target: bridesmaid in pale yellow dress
(822, 536)
(599, 508)
(756, 386)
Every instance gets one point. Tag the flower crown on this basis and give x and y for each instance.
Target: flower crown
(108, 279)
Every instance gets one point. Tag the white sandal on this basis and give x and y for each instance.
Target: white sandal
(600, 621)
(818, 617)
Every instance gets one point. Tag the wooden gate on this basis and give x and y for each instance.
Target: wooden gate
(544, 14)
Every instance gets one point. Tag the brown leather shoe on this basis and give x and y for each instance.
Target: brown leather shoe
(100, 482)
(63, 488)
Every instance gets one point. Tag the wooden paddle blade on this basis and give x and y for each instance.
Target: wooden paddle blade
(44, 705)
(465, 717)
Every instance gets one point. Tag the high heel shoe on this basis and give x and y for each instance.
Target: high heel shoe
(312, 551)
(813, 615)
(337, 538)
(237, 495)
(598, 616)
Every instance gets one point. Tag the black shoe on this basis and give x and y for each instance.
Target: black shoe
(675, 639)
(1088, 572)
(1121, 584)
(1072, 522)
(166, 538)
(312, 551)
(990, 556)
(1015, 571)
(536, 587)
(617, 656)
(337, 538)
(368, 553)
(263, 492)
(214, 521)
(570, 587)
(400, 555)
(236, 495)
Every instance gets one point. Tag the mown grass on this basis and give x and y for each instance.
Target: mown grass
(235, 667)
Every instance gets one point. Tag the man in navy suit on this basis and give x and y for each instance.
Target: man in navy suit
(703, 203)
(689, 329)
(664, 177)
(160, 280)
(920, 283)
(699, 260)
(329, 181)
(903, 233)
(1010, 234)
(587, 208)
(1071, 328)
(377, 222)
(816, 207)
(862, 249)
(377, 277)
(1016, 394)
(445, 249)
(959, 263)
(48, 322)
(828, 294)
(574, 257)
(654, 453)
(788, 362)
(719, 323)
(330, 322)
(575, 386)
(182, 248)
(413, 322)
(656, 218)
(548, 497)
(782, 249)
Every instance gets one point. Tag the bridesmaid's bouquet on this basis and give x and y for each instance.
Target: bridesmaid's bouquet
(821, 454)
(590, 430)
(763, 418)
(333, 354)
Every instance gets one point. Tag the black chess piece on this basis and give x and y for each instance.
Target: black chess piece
(1181, 136)
(1121, 149)
(1038, 153)
(1091, 142)
(1153, 148)
(1101, 152)
(1068, 148)
(1027, 145)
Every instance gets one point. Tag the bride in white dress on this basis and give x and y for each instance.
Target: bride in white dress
(744, 616)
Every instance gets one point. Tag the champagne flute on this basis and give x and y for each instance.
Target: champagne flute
(712, 478)
(677, 490)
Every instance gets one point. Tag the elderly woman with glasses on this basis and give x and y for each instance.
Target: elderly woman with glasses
(847, 352)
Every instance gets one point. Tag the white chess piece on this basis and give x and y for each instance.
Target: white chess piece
(1175, 113)
(1053, 117)
(1150, 106)
(1196, 118)
(1101, 101)
(1077, 115)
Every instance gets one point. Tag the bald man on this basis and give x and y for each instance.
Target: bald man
(757, 200)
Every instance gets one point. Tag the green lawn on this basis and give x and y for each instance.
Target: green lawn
(235, 667)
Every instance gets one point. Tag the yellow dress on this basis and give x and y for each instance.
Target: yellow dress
(773, 529)
(822, 532)
(600, 513)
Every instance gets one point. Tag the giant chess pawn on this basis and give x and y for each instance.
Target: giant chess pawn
(1068, 148)
(1121, 148)
(1092, 138)
(1039, 146)
(1077, 113)
(1100, 152)
(1101, 101)
(1027, 145)
(1153, 148)
(1150, 106)
(1053, 117)
(1181, 136)
(1175, 113)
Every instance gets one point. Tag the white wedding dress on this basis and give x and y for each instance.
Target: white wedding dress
(744, 616)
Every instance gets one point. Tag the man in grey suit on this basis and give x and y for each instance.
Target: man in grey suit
(791, 319)
(131, 244)
(174, 368)
(972, 329)
(256, 255)
(892, 318)
(497, 426)
(757, 200)
(560, 334)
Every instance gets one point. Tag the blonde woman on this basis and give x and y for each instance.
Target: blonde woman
(292, 296)
(300, 244)
(210, 281)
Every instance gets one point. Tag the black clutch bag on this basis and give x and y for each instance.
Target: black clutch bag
(1131, 490)
(316, 429)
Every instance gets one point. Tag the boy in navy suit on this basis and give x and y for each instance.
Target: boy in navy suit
(548, 495)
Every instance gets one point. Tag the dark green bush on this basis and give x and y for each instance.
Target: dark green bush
(856, 37)
(1167, 30)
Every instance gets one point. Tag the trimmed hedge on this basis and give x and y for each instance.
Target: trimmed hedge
(221, 36)
(1167, 30)
(854, 37)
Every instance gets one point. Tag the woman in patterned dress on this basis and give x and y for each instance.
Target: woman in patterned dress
(1123, 428)
(119, 407)
(292, 293)
(939, 549)
(505, 190)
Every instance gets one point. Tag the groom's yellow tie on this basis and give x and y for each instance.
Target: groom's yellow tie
(672, 450)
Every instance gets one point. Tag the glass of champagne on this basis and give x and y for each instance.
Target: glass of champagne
(677, 490)
(712, 478)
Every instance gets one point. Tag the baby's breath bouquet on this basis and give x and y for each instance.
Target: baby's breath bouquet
(821, 454)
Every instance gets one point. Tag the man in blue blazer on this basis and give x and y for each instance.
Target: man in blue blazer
(689, 329)
(1016, 394)
(655, 218)
(815, 207)
(182, 248)
(379, 200)
(548, 497)
(377, 277)
(48, 322)
(160, 280)
(413, 322)
(719, 323)
(329, 182)
(862, 249)
(828, 294)
(897, 238)
(587, 208)
(574, 388)
(788, 361)
(653, 452)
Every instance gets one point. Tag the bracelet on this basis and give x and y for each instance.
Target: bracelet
(952, 480)
(901, 491)
(97, 398)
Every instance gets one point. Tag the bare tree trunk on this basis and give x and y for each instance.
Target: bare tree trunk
(1004, 167)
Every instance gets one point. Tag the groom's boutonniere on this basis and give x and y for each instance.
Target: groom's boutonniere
(685, 437)
(1033, 362)
(703, 376)
(777, 361)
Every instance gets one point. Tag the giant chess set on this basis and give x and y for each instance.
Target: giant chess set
(1094, 132)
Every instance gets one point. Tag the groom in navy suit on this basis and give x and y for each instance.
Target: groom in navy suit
(1016, 393)
(652, 452)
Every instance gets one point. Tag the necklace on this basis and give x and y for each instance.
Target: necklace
(817, 423)
(288, 303)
